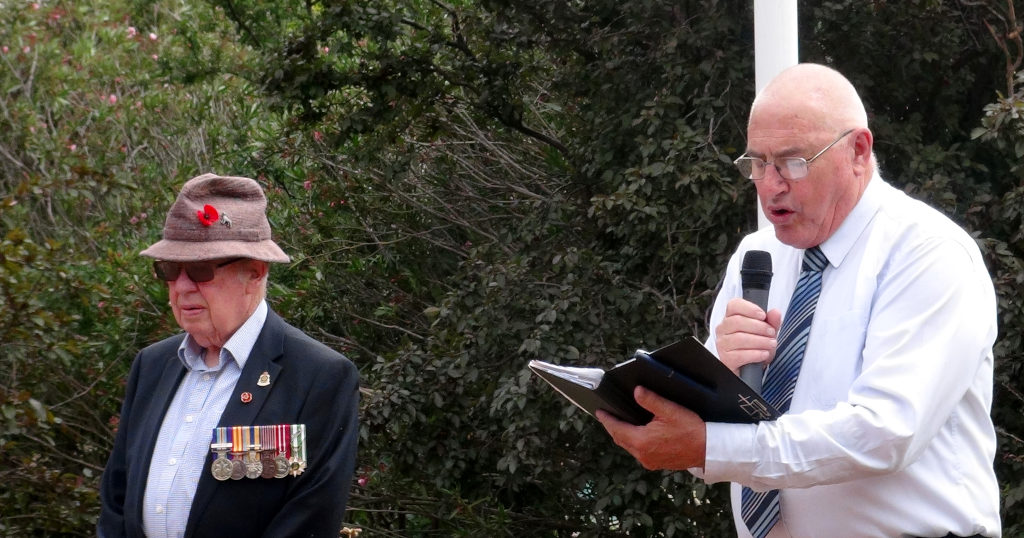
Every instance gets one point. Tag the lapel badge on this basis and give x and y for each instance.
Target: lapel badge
(246, 397)
(264, 379)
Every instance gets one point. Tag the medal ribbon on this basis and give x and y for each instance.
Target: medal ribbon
(219, 441)
(284, 441)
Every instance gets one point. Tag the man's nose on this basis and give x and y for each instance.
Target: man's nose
(772, 183)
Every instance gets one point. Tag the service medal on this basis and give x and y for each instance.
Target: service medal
(221, 466)
(298, 460)
(237, 465)
(267, 454)
(267, 462)
(253, 465)
(281, 463)
(283, 440)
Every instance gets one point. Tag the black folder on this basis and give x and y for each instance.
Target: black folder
(684, 372)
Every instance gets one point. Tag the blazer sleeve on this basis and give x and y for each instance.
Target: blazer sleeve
(114, 482)
(154, 374)
(316, 502)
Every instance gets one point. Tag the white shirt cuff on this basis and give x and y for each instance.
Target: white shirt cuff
(729, 454)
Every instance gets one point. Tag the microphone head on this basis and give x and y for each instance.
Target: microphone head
(756, 270)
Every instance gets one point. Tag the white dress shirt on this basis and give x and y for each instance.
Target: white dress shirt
(889, 432)
(182, 449)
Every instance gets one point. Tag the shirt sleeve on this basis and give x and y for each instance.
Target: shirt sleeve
(930, 330)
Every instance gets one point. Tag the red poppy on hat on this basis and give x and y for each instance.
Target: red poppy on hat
(207, 215)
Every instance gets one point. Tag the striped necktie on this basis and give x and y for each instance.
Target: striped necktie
(760, 510)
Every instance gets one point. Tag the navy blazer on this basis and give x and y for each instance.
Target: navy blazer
(311, 384)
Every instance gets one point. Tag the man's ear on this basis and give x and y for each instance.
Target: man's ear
(863, 144)
(255, 271)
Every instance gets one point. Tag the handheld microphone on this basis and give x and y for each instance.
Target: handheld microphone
(756, 278)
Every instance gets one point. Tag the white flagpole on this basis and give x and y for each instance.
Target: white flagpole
(776, 47)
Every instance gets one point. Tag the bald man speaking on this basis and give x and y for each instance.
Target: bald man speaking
(877, 342)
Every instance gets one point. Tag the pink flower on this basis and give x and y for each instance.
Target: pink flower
(362, 481)
(152, 36)
(112, 99)
(26, 49)
(307, 184)
(132, 32)
(326, 50)
(72, 147)
(318, 136)
(35, 6)
(155, 57)
(5, 49)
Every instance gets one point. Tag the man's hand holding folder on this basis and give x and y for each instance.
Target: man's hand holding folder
(674, 439)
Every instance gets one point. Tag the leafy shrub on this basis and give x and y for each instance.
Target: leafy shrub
(463, 187)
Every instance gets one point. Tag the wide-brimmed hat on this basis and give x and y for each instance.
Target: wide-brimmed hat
(217, 217)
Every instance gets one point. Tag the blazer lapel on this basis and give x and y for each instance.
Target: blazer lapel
(265, 352)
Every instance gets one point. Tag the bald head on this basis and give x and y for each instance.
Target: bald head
(815, 95)
(811, 113)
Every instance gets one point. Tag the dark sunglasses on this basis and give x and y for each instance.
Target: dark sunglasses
(196, 271)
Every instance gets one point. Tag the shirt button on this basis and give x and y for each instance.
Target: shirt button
(206, 377)
(159, 508)
(188, 418)
(172, 461)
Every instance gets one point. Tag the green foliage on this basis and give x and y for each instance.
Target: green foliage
(481, 205)
(1002, 212)
(93, 145)
(498, 181)
(463, 186)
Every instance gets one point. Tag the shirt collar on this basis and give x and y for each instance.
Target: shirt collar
(237, 348)
(841, 242)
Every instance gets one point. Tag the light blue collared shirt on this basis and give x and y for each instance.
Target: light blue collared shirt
(183, 446)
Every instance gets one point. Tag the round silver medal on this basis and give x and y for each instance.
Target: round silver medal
(221, 468)
(253, 469)
(282, 467)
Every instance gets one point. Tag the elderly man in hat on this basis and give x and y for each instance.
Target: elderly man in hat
(243, 425)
